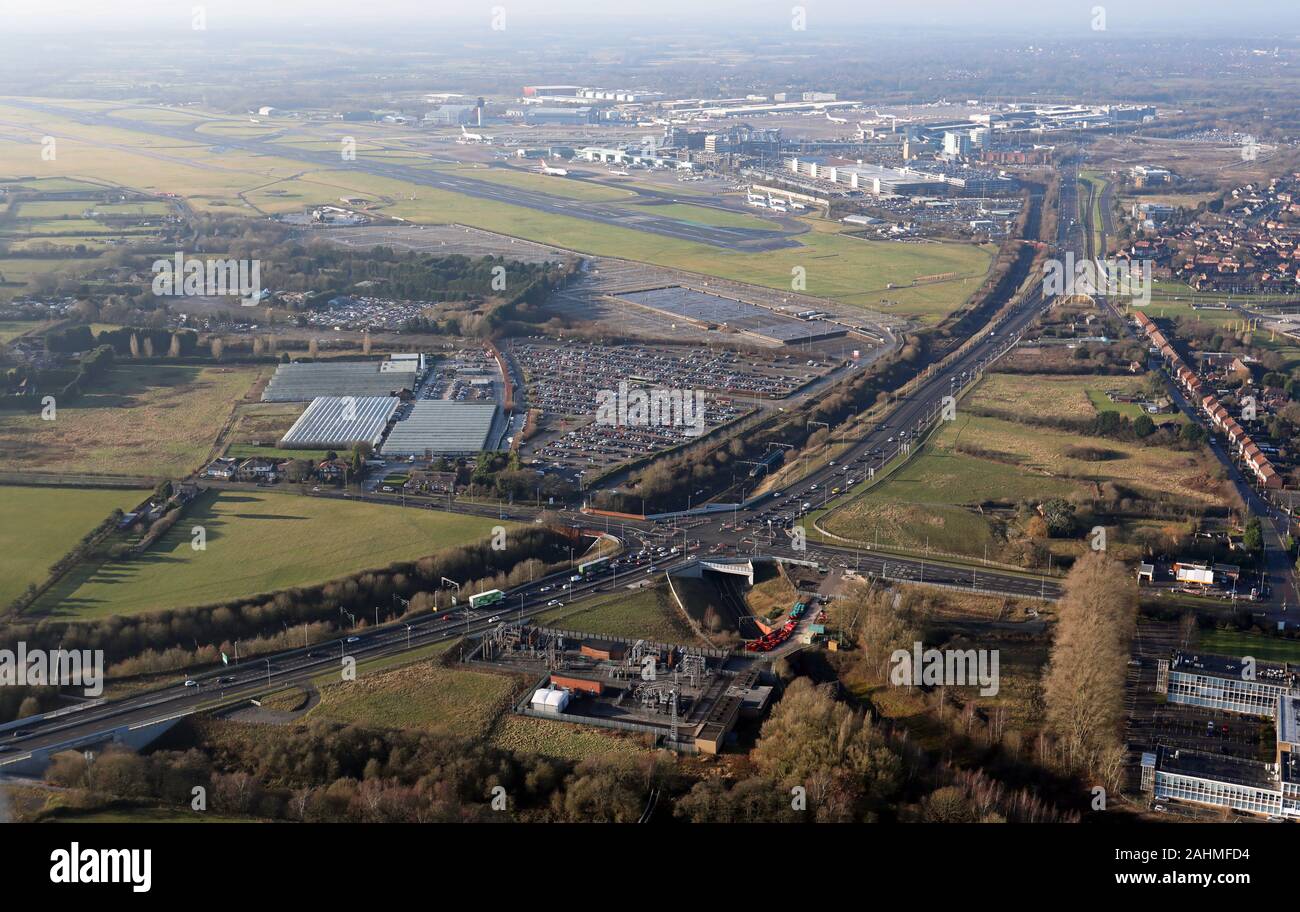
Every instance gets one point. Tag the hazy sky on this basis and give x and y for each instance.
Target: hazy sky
(1278, 18)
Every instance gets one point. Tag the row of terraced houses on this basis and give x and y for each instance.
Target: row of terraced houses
(1198, 393)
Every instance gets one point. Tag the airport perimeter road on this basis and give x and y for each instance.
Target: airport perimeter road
(741, 239)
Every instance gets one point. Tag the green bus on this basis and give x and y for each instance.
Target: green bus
(483, 599)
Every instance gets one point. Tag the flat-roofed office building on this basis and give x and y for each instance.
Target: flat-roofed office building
(1224, 682)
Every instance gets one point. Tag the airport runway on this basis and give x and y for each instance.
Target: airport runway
(738, 239)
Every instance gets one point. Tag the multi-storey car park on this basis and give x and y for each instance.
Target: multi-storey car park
(712, 311)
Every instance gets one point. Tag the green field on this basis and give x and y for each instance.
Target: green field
(245, 450)
(924, 504)
(12, 329)
(259, 542)
(54, 185)
(16, 273)
(702, 215)
(934, 500)
(422, 695)
(647, 612)
(53, 209)
(562, 739)
(38, 525)
(140, 419)
(1263, 648)
(145, 815)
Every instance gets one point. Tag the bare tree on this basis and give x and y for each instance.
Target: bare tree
(1084, 683)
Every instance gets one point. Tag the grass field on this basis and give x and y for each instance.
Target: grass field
(54, 185)
(259, 542)
(1046, 451)
(146, 815)
(771, 595)
(544, 183)
(647, 612)
(1236, 643)
(245, 450)
(415, 691)
(38, 525)
(934, 500)
(17, 272)
(140, 419)
(913, 526)
(12, 329)
(563, 740)
(1053, 396)
(423, 695)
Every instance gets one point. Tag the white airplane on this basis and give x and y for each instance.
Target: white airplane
(468, 138)
(553, 172)
(836, 119)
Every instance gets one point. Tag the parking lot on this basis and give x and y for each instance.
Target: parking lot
(563, 380)
(357, 313)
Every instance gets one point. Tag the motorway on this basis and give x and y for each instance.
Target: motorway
(255, 676)
(740, 239)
